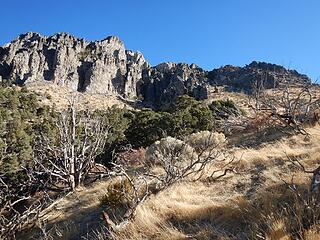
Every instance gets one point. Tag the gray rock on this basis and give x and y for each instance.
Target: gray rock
(261, 73)
(163, 83)
(101, 67)
(106, 67)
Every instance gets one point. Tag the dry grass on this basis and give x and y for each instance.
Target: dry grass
(54, 95)
(238, 97)
(249, 205)
(237, 207)
(72, 216)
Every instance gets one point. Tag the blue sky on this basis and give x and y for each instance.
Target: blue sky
(210, 33)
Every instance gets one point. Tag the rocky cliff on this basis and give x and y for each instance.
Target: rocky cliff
(106, 67)
(163, 83)
(266, 74)
(101, 67)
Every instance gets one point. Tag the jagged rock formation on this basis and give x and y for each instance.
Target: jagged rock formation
(106, 67)
(266, 74)
(101, 67)
(163, 83)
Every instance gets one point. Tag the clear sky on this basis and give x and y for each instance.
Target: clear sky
(210, 33)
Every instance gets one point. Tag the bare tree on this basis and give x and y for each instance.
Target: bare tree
(68, 158)
(290, 106)
(256, 94)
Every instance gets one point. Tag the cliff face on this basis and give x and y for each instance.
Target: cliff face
(101, 67)
(163, 83)
(106, 67)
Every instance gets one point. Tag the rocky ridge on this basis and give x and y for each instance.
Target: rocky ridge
(101, 67)
(106, 67)
(243, 78)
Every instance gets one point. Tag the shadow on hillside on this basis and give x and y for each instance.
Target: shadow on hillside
(75, 222)
(256, 138)
(246, 219)
(79, 224)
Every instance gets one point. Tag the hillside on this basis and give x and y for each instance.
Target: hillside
(95, 143)
(204, 210)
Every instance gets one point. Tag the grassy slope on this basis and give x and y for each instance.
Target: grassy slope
(200, 210)
(195, 210)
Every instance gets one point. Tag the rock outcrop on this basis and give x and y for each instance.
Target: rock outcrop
(101, 67)
(106, 67)
(165, 82)
(266, 74)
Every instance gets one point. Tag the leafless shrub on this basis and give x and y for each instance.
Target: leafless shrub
(20, 206)
(235, 124)
(292, 108)
(131, 157)
(204, 139)
(178, 161)
(315, 182)
(261, 121)
(167, 149)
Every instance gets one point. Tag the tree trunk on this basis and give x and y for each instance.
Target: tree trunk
(73, 181)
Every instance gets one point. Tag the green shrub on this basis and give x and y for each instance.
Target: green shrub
(190, 116)
(144, 127)
(223, 109)
(224, 103)
(18, 114)
(185, 116)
